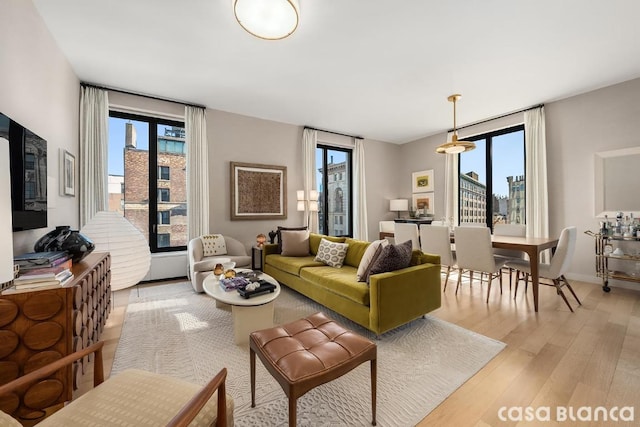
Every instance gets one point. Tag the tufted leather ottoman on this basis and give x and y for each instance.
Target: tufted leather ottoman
(307, 353)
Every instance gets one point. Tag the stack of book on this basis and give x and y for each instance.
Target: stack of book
(42, 269)
(234, 283)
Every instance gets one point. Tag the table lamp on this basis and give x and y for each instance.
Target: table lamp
(399, 205)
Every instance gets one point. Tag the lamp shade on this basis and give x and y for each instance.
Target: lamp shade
(300, 205)
(130, 255)
(6, 230)
(399, 205)
(267, 19)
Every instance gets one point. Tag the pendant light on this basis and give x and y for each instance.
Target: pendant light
(455, 146)
(267, 19)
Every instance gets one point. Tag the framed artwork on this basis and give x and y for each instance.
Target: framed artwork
(422, 181)
(68, 171)
(258, 191)
(423, 202)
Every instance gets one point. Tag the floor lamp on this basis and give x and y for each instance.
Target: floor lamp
(308, 204)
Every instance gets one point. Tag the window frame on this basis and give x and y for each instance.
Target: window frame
(324, 203)
(153, 171)
(488, 136)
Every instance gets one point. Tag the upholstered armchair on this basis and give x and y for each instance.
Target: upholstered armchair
(131, 397)
(200, 266)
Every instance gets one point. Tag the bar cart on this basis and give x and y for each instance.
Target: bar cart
(622, 254)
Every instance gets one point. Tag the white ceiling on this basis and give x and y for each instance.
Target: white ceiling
(381, 69)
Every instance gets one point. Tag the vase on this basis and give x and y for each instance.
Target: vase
(63, 238)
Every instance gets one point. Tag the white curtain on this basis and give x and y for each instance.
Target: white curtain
(309, 143)
(360, 197)
(537, 203)
(94, 139)
(197, 171)
(451, 187)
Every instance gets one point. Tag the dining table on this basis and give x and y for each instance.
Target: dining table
(532, 246)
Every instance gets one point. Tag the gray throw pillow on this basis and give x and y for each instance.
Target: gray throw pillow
(331, 253)
(279, 234)
(392, 257)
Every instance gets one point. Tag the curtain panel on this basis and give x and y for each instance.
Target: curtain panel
(197, 172)
(94, 140)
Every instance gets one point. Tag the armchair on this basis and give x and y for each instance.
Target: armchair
(131, 396)
(200, 266)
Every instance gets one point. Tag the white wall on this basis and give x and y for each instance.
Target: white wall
(39, 90)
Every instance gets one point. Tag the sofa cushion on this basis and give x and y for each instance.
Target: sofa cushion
(279, 234)
(355, 251)
(340, 281)
(213, 244)
(291, 264)
(331, 253)
(295, 243)
(314, 241)
(393, 257)
(370, 255)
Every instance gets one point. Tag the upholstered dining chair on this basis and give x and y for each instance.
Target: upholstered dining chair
(436, 239)
(515, 230)
(131, 397)
(474, 252)
(406, 231)
(555, 270)
(387, 227)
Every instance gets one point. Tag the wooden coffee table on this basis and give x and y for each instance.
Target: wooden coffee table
(249, 314)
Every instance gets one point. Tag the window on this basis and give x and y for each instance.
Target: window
(164, 240)
(334, 173)
(163, 195)
(495, 168)
(150, 152)
(163, 217)
(163, 172)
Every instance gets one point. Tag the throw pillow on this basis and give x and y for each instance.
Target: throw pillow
(295, 243)
(331, 253)
(393, 257)
(370, 255)
(279, 235)
(213, 244)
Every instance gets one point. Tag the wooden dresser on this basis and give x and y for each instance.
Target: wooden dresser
(41, 326)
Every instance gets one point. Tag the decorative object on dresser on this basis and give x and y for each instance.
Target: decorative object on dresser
(63, 238)
(38, 327)
(130, 255)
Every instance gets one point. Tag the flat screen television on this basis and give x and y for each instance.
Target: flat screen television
(28, 160)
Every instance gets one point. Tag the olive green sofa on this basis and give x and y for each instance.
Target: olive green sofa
(390, 300)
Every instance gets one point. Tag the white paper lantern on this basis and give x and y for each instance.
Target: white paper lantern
(130, 255)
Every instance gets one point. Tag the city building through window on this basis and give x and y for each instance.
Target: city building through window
(147, 177)
(334, 173)
(492, 179)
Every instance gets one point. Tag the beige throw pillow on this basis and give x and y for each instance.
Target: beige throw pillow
(370, 255)
(331, 253)
(294, 243)
(213, 244)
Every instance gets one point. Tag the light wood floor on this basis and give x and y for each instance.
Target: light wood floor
(553, 357)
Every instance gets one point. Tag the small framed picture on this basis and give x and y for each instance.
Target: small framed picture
(423, 202)
(422, 181)
(68, 171)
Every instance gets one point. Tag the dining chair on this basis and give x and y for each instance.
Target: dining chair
(515, 230)
(436, 239)
(406, 231)
(474, 252)
(554, 270)
(387, 227)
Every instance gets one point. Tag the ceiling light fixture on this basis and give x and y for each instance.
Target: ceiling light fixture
(267, 19)
(455, 146)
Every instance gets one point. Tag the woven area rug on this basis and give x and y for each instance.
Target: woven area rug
(172, 330)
